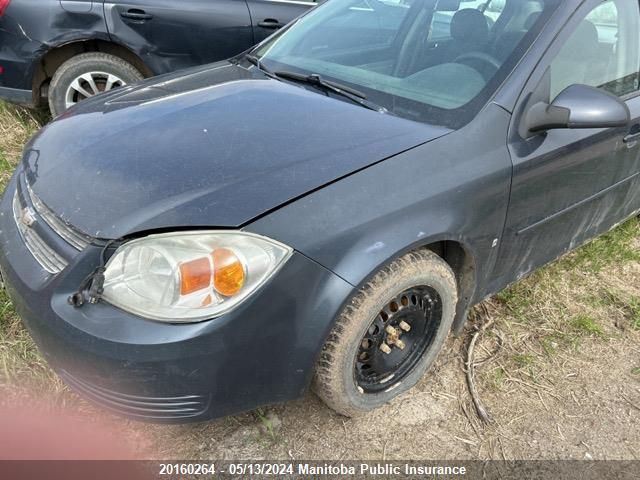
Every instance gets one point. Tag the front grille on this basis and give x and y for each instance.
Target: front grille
(74, 238)
(150, 408)
(50, 260)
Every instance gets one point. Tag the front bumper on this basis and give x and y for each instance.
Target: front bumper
(263, 352)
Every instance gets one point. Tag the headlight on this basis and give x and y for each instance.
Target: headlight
(190, 276)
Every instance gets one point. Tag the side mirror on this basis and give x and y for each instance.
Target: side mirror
(577, 106)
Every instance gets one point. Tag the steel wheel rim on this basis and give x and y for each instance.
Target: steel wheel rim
(377, 370)
(91, 84)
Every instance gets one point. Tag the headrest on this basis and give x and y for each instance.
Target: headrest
(470, 25)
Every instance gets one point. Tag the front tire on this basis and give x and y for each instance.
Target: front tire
(86, 75)
(409, 306)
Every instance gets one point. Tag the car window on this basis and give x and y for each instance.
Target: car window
(603, 51)
(382, 49)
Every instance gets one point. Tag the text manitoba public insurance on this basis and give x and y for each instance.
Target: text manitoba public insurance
(385, 469)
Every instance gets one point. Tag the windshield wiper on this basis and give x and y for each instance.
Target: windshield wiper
(317, 81)
(331, 86)
(253, 60)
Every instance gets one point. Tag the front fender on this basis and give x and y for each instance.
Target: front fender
(453, 189)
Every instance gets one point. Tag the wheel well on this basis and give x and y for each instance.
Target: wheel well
(52, 60)
(463, 265)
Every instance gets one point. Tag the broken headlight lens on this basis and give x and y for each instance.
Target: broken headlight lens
(190, 276)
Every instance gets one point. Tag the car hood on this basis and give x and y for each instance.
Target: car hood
(213, 147)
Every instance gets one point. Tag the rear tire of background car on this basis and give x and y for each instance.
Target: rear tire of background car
(86, 75)
(412, 300)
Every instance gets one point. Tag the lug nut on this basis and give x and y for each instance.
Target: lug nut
(390, 330)
(385, 348)
(400, 344)
(405, 326)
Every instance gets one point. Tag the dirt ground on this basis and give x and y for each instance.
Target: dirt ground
(557, 369)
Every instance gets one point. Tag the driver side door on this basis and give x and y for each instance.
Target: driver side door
(169, 35)
(571, 185)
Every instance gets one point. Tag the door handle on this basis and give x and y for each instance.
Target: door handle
(271, 23)
(137, 15)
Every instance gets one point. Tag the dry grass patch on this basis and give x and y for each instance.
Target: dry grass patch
(17, 125)
(20, 363)
(584, 306)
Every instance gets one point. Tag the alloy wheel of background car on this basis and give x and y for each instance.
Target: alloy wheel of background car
(388, 334)
(87, 75)
(90, 84)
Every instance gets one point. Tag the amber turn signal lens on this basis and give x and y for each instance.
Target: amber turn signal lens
(228, 272)
(195, 275)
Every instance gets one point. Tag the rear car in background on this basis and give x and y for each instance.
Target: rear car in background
(64, 51)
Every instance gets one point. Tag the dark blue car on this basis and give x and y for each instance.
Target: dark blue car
(59, 52)
(325, 209)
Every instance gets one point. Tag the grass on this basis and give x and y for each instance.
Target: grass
(616, 247)
(524, 360)
(627, 305)
(267, 424)
(586, 325)
(20, 362)
(17, 125)
(499, 377)
(634, 307)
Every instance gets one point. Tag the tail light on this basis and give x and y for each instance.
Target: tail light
(4, 4)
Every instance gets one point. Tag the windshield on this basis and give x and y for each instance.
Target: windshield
(432, 61)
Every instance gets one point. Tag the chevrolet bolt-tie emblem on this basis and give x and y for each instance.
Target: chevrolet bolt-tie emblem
(27, 217)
